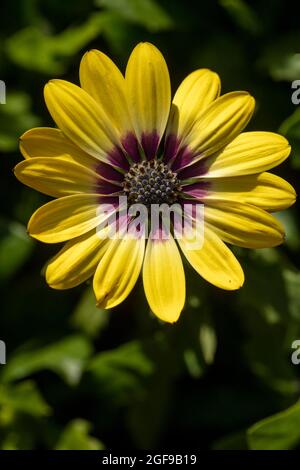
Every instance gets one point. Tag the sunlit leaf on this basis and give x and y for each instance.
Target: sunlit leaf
(35, 49)
(76, 436)
(278, 432)
(21, 398)
(147, 13)
(66, 357)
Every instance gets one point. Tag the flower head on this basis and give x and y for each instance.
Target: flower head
(120, 137)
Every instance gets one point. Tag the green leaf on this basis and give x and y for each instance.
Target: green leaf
(243, 15)
(66, 358)
(208, 341)
(15, 118)
(147, 417)
(147, 13)
(197, 337)
(76, 437)
(291, 126)
(88, 317)
(281, 58)
(278, 432)
(121, 372)
(291, 129)
(235, 441)
(35, 49)
(118, 34)
(124, 373)
(15, 248)
(290, 223)
(292, 283)
(134, 378)
(269, 307)
(21, 398)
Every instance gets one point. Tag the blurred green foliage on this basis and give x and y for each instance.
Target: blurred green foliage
(81, 378)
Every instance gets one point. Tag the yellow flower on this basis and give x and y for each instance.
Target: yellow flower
(123, 136)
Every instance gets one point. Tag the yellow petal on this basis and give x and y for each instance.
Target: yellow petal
(267, 191)
(221, 122)
(58, 177)
(118, 271)
(164, 279)
(193, 95)
(250, 152)
(76, 261)
(51, 142)
(213, 260)
(66, 218)
(102, 79)
(243, 224)
(148, 91)
(80, 118)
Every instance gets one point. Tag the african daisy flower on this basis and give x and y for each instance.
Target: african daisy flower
(123, 136)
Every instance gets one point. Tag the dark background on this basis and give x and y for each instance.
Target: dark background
(81, 378)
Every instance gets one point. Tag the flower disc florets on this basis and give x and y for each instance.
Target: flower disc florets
(151, 182)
